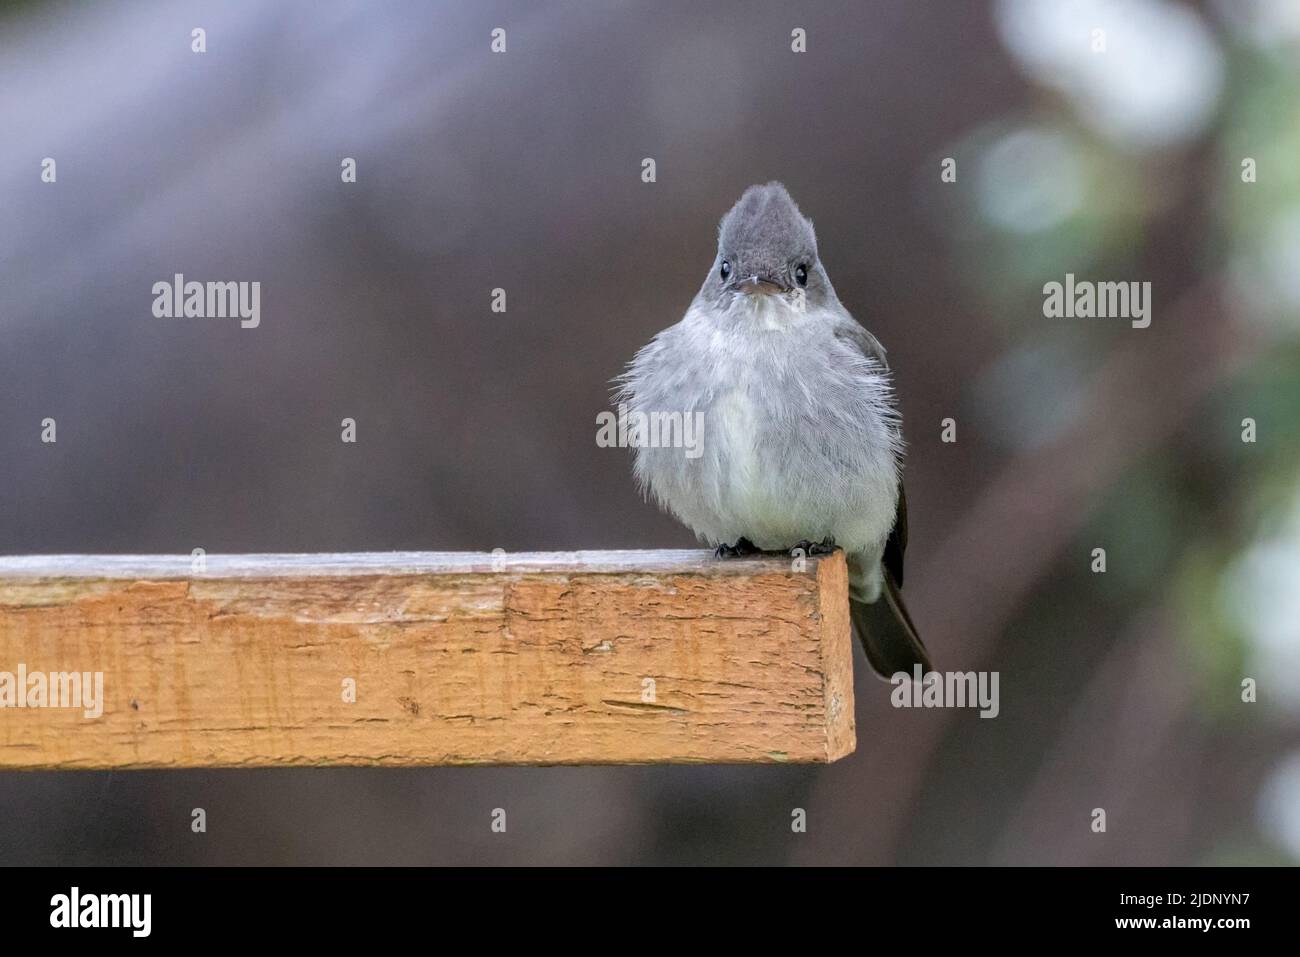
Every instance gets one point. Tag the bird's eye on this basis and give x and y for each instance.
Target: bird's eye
(726, 270)
(801, 274)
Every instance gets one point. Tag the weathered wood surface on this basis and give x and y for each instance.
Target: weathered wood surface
(457, 658)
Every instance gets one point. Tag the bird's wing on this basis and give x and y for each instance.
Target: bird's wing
(852, 332)
(884, 627)
(897, 543)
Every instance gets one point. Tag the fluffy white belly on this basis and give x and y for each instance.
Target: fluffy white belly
(800, 440)
(777, 487)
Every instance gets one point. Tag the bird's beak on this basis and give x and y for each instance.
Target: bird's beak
(759, 286)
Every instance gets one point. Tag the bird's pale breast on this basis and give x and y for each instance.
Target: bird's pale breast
(799, 440)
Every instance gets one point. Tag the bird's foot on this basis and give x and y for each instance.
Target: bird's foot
(826, 546)
(742, 549)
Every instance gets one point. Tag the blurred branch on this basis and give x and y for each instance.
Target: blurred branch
(1016, 530)
(1114, 744)
(1012, 535)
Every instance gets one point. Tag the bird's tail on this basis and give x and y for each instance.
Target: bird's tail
(886, 631)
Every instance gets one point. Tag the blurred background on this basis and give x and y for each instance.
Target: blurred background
(1106, 139)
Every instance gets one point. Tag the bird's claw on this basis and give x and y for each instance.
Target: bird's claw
(826, 546)
(743, 548)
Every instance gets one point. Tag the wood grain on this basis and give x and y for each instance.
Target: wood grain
(457, 658)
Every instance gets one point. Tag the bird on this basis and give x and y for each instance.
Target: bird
(802, 438)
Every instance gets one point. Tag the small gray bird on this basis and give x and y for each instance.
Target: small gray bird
(801, 440)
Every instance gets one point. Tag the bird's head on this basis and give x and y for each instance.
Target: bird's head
(766, 248)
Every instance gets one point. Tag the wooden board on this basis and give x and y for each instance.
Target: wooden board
(456, 659)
